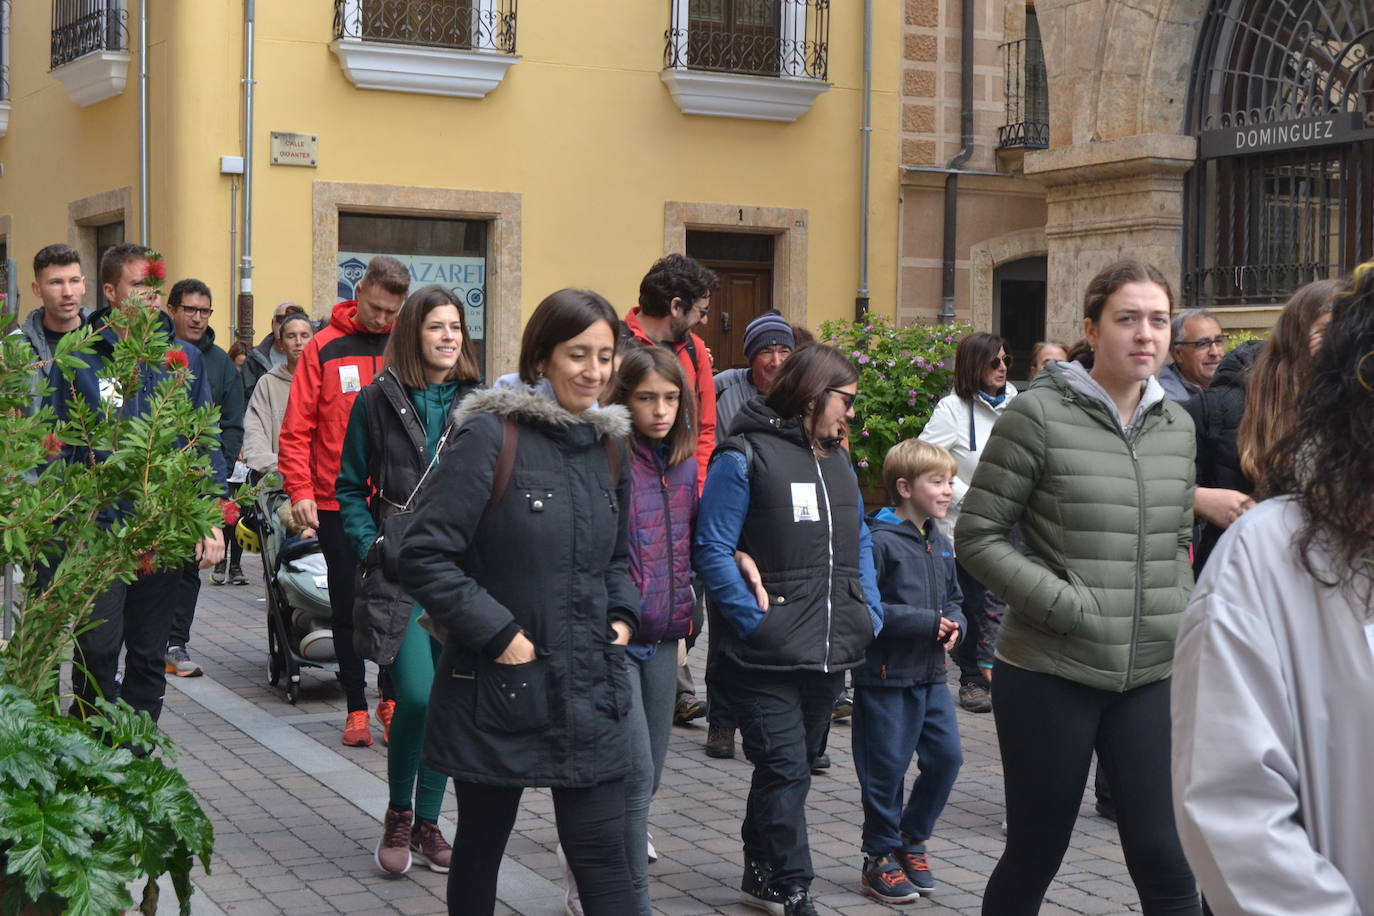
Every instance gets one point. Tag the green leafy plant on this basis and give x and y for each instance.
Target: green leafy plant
(88, 806)
(903, 373)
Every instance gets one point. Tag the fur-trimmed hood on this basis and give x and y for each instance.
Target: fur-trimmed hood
(522, 404)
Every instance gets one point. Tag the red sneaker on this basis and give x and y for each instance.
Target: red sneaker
(385, 710)
(357, 730)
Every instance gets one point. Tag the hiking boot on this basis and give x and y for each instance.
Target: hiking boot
(357, 732)
(885, 881)
(720, 742)
(236, 576)
(427, 844)
(820, 764)
(688, 708)
(844, 707)
(179, 663)
(217, 574)
(975, 698)
(912, 858)
(798, 903)
(572, 898)
(754, 890)
(393, 849)
(386, 709)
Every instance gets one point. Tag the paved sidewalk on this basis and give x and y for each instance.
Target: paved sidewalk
(297, 814)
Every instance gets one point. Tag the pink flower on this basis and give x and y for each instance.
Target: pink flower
(864, 360)
(863, 462)
(146, 564)
(230, 510)
(52, 445)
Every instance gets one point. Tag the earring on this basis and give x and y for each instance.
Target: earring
(1359, 372)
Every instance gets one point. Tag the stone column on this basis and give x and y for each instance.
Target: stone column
(1109, 200)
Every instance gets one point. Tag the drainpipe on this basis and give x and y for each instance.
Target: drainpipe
(866, 133)
(143, 122)
(946, 315)
(245, 299)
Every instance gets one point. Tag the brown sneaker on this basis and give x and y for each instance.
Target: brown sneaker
(427, 844)
(720, 742)
(393, 849)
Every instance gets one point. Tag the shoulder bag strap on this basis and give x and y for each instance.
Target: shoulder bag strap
(505, 464)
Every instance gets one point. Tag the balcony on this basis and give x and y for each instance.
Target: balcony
(460, 48)
(757, 59)
(1027, 121)
(90, 48)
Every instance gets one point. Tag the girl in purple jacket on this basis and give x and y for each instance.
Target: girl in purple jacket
(663, 507)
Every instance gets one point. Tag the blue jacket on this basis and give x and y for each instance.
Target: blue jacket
(918, 585)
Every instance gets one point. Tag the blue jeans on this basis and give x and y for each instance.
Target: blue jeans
(653, 691)
(891, 724)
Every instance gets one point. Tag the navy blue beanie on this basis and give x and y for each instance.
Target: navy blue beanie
(767, 330)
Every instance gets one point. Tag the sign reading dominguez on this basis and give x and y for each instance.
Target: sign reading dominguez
(1326, 130)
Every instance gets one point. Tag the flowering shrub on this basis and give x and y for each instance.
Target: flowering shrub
(903, 373)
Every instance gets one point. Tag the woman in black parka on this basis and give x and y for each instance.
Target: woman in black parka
(526, 579)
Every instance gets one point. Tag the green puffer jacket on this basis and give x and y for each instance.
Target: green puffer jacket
(1106, 514)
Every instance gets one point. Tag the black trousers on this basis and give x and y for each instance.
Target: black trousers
(591, 827)
(1047, 728)
(966, 652)
(187, 594)
(717, 702)
(342, 563)
(782, 718)
(135, 617)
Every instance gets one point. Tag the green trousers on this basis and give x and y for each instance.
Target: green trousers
(412, 674)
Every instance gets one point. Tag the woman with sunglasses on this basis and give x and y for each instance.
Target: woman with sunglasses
(782, 490)
(962, 423)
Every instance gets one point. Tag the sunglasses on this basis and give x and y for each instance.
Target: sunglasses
(1000, 362)
(844, 395)
(291, 310)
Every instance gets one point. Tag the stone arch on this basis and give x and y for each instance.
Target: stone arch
(986, 256)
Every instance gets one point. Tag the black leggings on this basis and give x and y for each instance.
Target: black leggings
(591, 827)
(1047, 728)
(342, 563)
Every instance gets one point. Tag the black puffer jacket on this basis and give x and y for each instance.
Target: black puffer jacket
(551, 559)
(1216, 413)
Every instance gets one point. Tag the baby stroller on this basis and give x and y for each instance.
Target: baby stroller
(298, 615)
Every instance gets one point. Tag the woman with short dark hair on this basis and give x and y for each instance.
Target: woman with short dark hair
(962, 422)
(396, 431)
(1096, 468)
(518, 555)
(782, 490)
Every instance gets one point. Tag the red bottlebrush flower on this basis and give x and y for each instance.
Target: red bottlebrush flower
(146, 564)
(157, 268)
(230, 510)
(176, 357)
(52, 445)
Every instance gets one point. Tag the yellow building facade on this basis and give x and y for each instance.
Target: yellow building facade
(583, 160)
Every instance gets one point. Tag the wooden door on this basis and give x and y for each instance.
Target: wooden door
(745, 292)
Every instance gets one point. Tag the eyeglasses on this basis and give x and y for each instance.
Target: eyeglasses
(1204, 342)
(195, 312)
(1000, 362)
(845, 395)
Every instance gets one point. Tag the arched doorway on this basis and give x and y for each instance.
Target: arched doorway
(1282, 103)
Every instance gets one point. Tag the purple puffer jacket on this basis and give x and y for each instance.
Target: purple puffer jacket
(663, 508)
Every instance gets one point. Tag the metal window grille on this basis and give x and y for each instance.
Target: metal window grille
(460, 24)
(1261, 224)
(81, 27)
(4, 50)
(756, 37)
(1027, 119)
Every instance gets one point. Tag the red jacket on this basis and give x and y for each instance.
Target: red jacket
(700, 378)
(335, 366)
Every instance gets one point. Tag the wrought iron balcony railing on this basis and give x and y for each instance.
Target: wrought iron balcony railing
(756, 37)
(1027, 121)
(81, 27)
(4, 53)
(461, 24)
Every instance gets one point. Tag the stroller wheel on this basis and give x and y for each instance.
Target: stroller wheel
(293, 689)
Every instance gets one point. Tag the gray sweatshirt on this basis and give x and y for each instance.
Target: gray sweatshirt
(1273, 730)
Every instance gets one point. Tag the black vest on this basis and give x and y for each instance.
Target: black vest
(802, 530)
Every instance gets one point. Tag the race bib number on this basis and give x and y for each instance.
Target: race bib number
(349, 380)
(805, 506)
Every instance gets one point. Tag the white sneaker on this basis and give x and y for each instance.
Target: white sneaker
(653, 853)
(572, 900)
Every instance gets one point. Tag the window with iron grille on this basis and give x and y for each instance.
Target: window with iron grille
(458, 24)
(754, 37)
(1262, 217)
(81, 27)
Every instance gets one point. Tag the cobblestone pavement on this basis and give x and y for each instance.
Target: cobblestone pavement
(297, 814)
